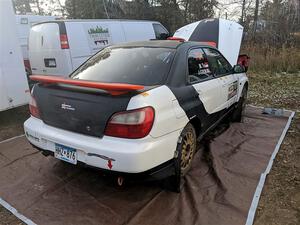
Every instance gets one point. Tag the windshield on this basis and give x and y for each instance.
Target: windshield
(136, 65)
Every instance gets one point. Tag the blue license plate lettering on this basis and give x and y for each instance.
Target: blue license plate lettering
(65, 153)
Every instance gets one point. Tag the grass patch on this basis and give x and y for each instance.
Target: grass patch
(278, 90)
(271, 59)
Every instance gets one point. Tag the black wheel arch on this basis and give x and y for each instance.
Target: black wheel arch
(246, 85)
(196, 122)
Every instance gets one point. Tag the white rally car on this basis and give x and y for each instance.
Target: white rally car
(137, 108)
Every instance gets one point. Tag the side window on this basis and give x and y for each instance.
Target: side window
(160, 32)
(218, 63)
(198, 68)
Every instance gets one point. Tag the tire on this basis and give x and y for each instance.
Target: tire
(238, 112)
(186, 149)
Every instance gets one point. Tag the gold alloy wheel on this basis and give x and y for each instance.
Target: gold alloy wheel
(187, 151)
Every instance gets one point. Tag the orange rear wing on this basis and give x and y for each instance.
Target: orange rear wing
(112, 88)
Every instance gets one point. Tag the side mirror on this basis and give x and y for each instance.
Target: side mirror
(239, 69)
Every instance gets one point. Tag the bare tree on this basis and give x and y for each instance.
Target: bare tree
(22, 6)
(37, 2)
(255, 17)
(62, 8)
(243, 11)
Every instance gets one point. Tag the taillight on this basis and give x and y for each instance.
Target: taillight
(131, 124)
(64, 41)
(34, 111)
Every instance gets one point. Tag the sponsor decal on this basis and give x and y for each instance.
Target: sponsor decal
(88, 128)
(232, 89)
(67, 107)
(145, 94)
(98, 36)
(109, 164)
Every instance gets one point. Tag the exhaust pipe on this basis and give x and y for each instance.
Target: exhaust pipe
(120, 181)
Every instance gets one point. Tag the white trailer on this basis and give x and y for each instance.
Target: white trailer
(14, 89)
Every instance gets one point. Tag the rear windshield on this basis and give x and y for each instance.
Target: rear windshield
(136, 65)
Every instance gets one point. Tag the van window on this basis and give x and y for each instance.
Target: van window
(135, 65)
(44, 36)
(160, 32)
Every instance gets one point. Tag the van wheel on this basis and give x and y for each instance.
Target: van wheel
(186, 149)
(239, 111)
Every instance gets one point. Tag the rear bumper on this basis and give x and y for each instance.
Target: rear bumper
(127, 155)
(162, 171)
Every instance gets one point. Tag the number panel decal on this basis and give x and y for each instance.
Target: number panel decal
(232, 89)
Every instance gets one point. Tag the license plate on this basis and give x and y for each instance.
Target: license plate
(65, 153)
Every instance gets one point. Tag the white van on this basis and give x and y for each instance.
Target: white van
(24, 23)
(59, 47)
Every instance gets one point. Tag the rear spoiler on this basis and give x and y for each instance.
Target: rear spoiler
(210, 43)
(112, 88)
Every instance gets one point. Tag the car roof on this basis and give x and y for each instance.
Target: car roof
(161, 44)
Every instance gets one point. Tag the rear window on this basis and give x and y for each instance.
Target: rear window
(136, 65)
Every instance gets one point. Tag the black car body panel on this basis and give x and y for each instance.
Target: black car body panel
(78, 111)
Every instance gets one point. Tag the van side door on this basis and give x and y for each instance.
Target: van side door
(203, 80)
(137, 31)
(223, 72)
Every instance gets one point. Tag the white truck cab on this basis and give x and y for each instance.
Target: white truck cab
(60, 47)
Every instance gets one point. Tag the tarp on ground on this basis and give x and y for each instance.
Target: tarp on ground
(218, 189)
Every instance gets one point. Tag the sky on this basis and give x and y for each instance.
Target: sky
(229, 8)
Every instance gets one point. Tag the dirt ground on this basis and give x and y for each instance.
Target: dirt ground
(11, 124)
(280, 200)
